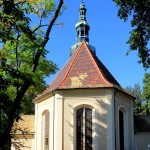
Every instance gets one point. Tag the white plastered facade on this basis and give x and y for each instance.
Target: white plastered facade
(105, 104)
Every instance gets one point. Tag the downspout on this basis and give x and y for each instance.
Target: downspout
(53, 117)
(115, 118)
(134, 132)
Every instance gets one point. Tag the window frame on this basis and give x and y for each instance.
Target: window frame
(92, 127)
(125, 112)
(44, 130)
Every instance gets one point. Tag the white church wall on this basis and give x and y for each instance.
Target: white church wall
(46, 105)
(58, 125)
(63, 117)
(124, 103)
(102, 111)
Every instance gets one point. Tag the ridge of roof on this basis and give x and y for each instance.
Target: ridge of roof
(94, 61)
(107, 75)
(82, 70)
(99, 67)
(83, 45)
(72, 62)
(60, 76)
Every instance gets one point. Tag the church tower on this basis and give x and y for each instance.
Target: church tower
(84, 107)
(82, 26)
(82, 30)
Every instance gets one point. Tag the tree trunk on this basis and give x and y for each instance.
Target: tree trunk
(11, 116)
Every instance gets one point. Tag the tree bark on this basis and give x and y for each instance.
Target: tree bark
(11, 116)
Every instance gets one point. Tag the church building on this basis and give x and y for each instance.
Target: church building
(84, 107)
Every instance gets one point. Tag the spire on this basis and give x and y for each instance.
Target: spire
(82, 29)
(82, 26)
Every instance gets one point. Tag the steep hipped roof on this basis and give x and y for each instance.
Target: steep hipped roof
(83, 70)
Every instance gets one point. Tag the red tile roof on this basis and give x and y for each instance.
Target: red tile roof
(83, 70)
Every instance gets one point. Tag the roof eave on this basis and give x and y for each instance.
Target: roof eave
(44, 96)
(53, 92)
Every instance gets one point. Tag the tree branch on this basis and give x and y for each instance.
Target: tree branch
(15, 107)
(46, 38)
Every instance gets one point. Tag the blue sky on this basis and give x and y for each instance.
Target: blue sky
(107, 33)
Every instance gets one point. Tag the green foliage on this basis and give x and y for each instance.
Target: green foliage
(141, 105)
(18, 52)
(146, 92)
(136, 92)
(23, 63)
(42, 8)
(140, 22)
(13, 20)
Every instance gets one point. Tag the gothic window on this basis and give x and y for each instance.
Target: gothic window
(84, 129)
(121, 129)
(46, 131)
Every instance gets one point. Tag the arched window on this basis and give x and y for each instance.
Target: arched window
(45, 123)
(84, 129)
(121, 129)
(82, 13)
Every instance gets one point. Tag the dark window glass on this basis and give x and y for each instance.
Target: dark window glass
(46, 133)
(80, 129)
(121, 129)
(84, 129)
(88, 129)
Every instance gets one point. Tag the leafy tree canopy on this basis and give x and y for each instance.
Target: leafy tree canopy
(141, 105)
(146, 92)
(137, 92)
(23, 63)
(140, 23)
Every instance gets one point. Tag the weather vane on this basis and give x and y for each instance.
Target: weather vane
(82, 1)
